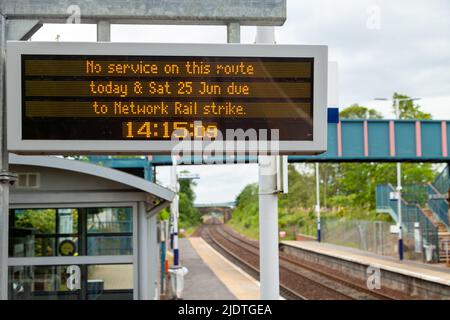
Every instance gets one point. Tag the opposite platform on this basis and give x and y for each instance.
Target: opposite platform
(411, 277)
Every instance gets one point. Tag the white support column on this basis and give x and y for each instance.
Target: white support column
(268, 229)
(147, 254)
(153, 288)
(268, 209)
(143, 253)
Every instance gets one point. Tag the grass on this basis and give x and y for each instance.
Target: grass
(252, 233)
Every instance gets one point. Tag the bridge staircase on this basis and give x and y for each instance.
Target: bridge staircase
(423, 204)
(438, 211)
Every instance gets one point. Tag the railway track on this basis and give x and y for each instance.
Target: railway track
(249, 267)
(298, 280)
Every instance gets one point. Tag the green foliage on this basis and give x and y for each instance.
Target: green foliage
(355, 111)
(164, 214)
(245, 216)
(298, 183)
(357, 181)
(408, 109)
(189, 215)
(295, 209)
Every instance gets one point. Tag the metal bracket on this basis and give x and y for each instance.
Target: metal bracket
(269, 192)
(22, 29)
(8, 177)
(151, 211)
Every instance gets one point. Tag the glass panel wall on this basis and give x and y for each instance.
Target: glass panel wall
(110, 282)
(110, 231)
(96, 282)
(71, 232)
(40, 283)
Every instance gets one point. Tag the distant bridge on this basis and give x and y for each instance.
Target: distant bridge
(225, 208)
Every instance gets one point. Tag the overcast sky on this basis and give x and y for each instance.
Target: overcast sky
(381, 46)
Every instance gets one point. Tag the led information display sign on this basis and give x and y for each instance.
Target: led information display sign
(128, 97)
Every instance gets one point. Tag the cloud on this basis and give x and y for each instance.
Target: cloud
(409, 52)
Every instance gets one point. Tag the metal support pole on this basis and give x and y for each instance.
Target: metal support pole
(234, 32)
(318, 202)
(17, 30)
(268, 210)
(268, 229)
(399, 193)
(174, 211)
(399, 210)
(163, 255)
(4, 187)
(104, 31)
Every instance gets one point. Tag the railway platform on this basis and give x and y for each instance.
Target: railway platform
(211, 276)
(408, 276)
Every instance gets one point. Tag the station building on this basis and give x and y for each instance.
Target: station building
(82, 231)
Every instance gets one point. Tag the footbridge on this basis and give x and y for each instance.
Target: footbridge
(352, 141)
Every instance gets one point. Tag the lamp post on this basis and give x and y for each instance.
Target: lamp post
(396, 102)
(318, 202)
(175, 214)
(174, 210)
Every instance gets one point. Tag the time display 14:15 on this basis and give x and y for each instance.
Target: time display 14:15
(167, 129)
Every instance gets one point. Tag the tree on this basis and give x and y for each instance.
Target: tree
(356, 111)
(408, 109)
(301, 189)
(328, 174)
(357, 181)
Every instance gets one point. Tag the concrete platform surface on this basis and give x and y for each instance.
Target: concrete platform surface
(211, 276)
(415, 269)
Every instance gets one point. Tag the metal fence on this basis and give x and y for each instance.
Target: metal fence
(373, 236)
(437, 205)
(441, 183)
(376, 237)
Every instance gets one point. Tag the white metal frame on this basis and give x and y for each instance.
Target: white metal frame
(85, 260)
(14, 92)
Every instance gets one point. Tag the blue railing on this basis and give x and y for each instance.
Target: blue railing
(441, 183)
(383, 202)
(415, 194)
(411, 214)
(438, 206)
